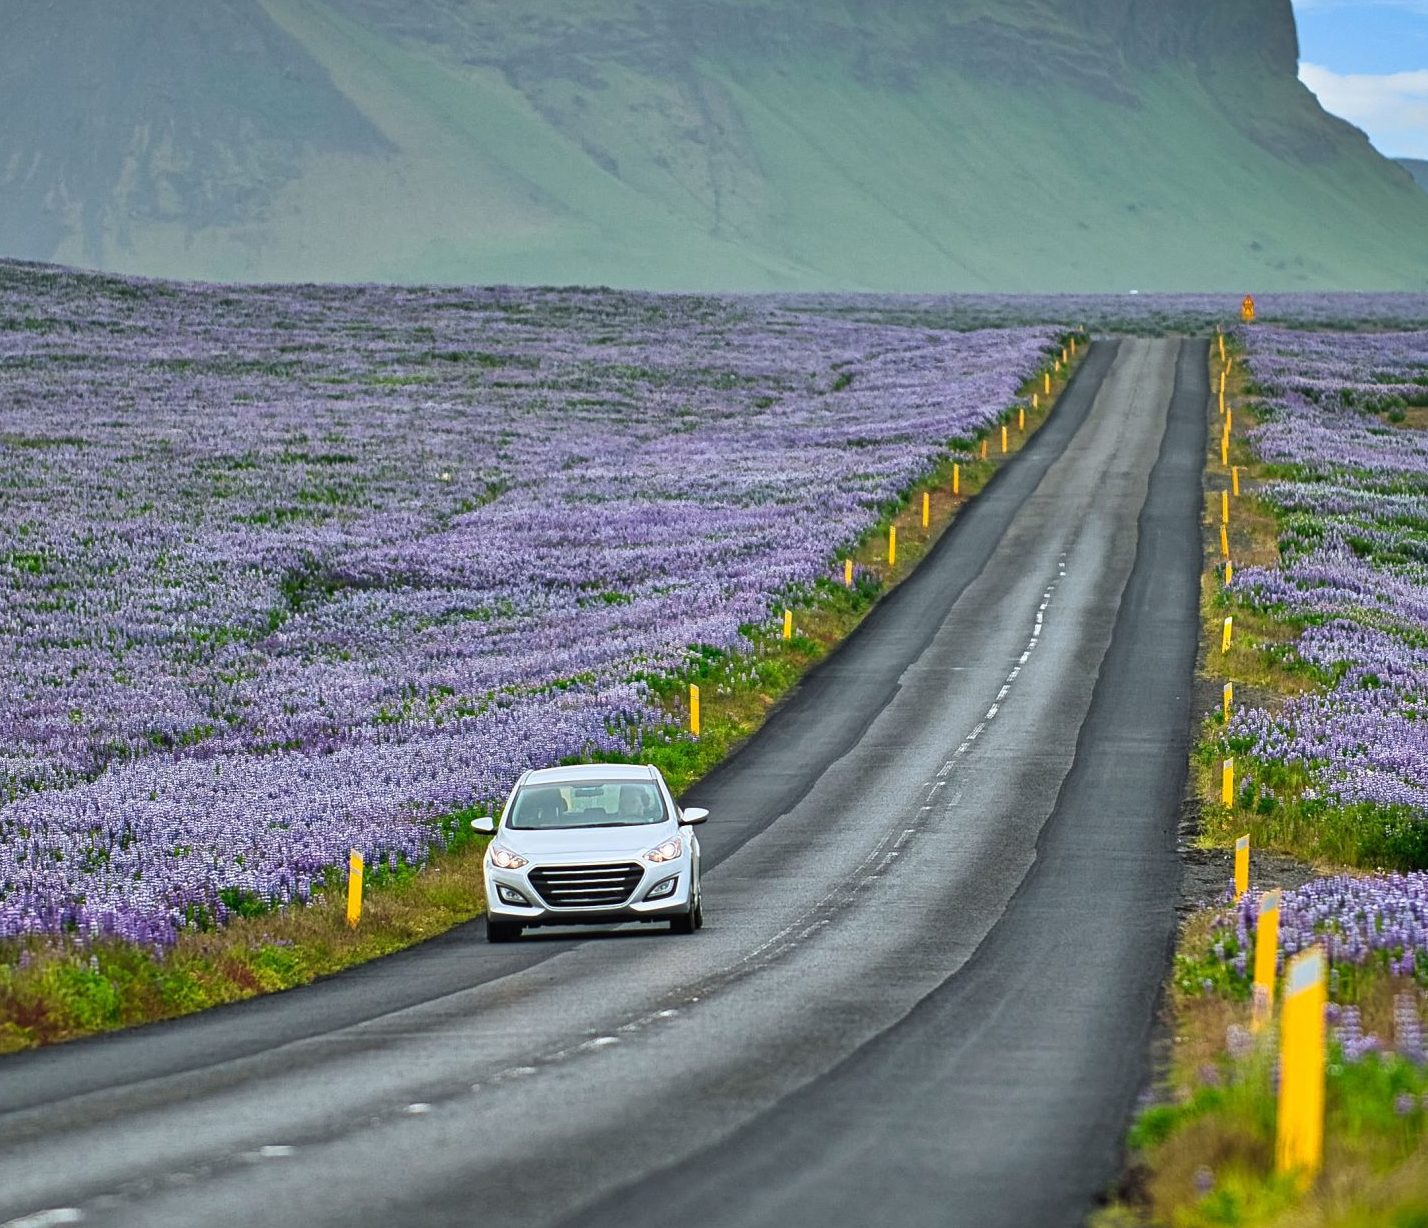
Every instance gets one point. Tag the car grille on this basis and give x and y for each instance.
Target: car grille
(586, 886)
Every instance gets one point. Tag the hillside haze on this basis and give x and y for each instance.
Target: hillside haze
(693, 144)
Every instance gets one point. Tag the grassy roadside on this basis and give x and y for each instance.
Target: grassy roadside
(52, 992)
(1202, 1155)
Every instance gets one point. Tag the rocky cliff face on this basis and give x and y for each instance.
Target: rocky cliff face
(118, 114)
(887, 144)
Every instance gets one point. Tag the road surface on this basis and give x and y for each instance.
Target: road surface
(940, 889)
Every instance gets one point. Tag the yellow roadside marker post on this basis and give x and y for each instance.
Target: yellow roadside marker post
(1299, 1142)
(892, 546)
(1227, 796)
(1235, 479)
(1222, 347)
(1241, 851)
(354, 888)
(847, 573)
(956, 480)
(1224, 542)
(1021, 418)
(1229, 698)
(1225, 448)
(1266, 959)
(1222, 394)
(926, 509)
(788, 624)
(1048, 383)
(1229, 572)
(1229, 420)
(693, 710)
(1228, 634)
(1224, 507)
(984, 449)
(1004, 438)
(1036, 400)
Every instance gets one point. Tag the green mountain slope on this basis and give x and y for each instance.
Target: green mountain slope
(1418, 168)
(699, 144)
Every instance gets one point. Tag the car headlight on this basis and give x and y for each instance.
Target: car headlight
(504, 859)
(668, 851)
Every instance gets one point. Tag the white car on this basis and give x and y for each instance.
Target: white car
(592, 845)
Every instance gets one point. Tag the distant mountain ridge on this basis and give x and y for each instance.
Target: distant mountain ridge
(692, 144)
(1418, 168)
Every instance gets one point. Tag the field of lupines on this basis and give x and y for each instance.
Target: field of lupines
(1140, 314)
(1206, 1152)
(285, 571)
(1342, 433)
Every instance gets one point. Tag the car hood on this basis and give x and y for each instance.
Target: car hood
(587, 844)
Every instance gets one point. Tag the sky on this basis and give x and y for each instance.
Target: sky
(1367, 60)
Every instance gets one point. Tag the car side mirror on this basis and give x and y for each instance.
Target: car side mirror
(485, 825)
(695, 814)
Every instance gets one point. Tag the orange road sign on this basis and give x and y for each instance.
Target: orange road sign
(1247, 309)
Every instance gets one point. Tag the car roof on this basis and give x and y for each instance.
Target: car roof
(590, 771)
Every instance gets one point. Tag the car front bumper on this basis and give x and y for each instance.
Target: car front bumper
(538, 910)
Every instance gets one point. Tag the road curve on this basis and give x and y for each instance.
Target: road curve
(941, 896)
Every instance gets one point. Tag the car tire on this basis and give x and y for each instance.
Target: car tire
(502, 931)
(688, 922)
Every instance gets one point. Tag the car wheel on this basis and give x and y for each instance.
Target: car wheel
(502, 931)
(687, 923)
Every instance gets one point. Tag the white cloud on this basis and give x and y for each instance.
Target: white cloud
(1392, 108)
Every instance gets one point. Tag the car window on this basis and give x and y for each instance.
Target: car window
(594, 803)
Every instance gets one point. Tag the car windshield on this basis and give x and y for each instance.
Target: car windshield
(587, 803)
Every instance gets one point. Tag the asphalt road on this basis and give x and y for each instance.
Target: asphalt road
(940, 893)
